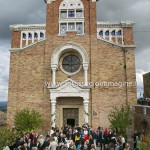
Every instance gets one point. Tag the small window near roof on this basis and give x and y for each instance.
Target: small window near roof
(101, 33)
(24, 36)
(71, 13)
(79, 13)
(63, 14)
(107, 33)
(113, 33)
(35, 35)
(41, 35)
(30, 36)
(119, 33)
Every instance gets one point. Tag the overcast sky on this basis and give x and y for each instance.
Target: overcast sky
(33, 11)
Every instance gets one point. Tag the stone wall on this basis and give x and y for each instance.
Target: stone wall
(142, 118)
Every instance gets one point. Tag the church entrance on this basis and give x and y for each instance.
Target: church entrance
(71, 122)
(71, 116)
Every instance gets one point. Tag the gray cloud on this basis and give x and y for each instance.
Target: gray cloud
(20, 12)
(33, 11)
(139, 12)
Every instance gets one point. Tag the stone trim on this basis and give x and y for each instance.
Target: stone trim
(141, 106)
(69, 88)
(71, 4)
(23, 27)
(28, 46)
(116, 24)
(70, 45)
(122, 46)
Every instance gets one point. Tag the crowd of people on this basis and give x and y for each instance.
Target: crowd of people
(72, 138)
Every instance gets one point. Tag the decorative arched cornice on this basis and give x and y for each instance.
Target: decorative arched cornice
(61, 49)
(71, 4)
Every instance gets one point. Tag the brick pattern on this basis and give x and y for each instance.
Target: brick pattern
(16, 35)
(146, 82)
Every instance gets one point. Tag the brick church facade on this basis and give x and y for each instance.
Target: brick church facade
(71, 68)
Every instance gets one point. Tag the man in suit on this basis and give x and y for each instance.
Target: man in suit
(102, 139)
(30, 144)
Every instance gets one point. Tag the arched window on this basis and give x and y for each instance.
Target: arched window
(113, 33)
(24, 36)
(107, 33)
(101, 33)
(71, 9)
(119, 33)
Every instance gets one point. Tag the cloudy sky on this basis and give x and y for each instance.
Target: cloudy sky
(33, 11)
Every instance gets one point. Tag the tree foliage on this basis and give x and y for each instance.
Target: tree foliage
(27, 120)
(8, 137)
(2, 118)
(143, 145)
(120, 118)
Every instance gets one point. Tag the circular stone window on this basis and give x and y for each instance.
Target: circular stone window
(70, 64)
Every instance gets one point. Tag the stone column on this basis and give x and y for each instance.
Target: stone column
(27, 38)
(116, 36)
(32, 37)
(54, 67)
(110, 36)
(86, 112)
(21, 39)
(53, 112)
(85, 67)
(54, 76)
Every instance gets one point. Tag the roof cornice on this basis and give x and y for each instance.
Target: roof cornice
(117, 24)
(20, 27)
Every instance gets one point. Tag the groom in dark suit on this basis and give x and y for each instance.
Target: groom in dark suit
(102, 139)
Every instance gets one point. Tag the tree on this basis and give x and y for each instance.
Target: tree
(27, 120)
(8, 137)
(145, 145)
(121, 118)
(2, 118)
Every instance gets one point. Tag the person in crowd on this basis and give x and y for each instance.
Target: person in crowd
(94, 135)
(75, 138)
(135, 138)
(86, 145)
(91, 141)
(92, 147)
(102, 138)
(72, 146)
(123, 142)
(30, 144)
(53, 144)
(86, 133)
(113, 139)
(106, 133)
